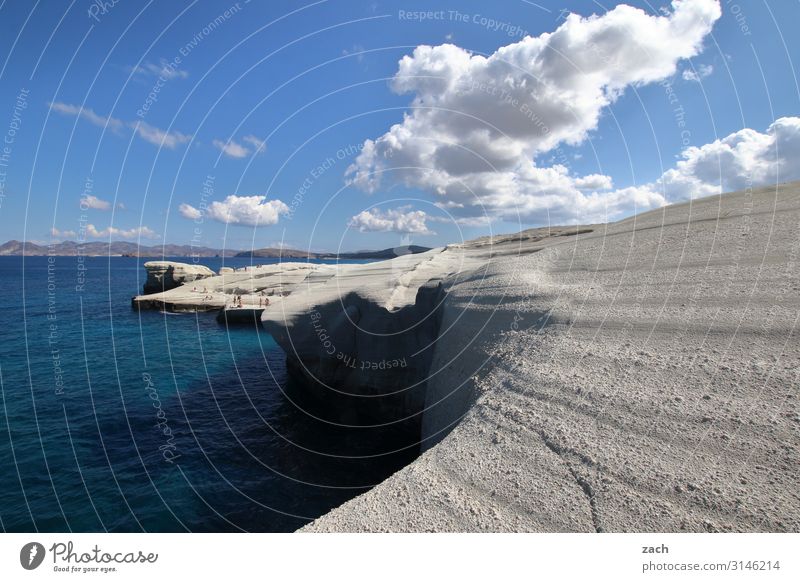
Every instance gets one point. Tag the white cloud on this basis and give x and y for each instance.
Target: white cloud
(159, 137)
(463, 220)
(190, 212)
(743, 159)
(142, 231)
(94, 202)
(87, 114)
(245, 210)
(231, 148)
(146, 131)
(594, 182)
(234, 149)
(474, 221)
(163, 69)
(478, 123)
(401, 220)
(63, 234)
(701, 72)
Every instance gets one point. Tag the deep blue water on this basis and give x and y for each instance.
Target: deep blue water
(119, 420)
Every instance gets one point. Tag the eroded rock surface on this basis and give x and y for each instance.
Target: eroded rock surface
(255, 285)
(166, 275)
(360, 337)
(635, 376)
(639, 377)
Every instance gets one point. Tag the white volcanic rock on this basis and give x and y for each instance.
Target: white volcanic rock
(636, 376)
(166, 275)
(254, 284)
(640, 377)
(360, 334)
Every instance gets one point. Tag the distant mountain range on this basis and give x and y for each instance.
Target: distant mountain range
(273, 253)
(103, 249)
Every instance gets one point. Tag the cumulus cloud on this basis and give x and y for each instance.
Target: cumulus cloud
(484, 220)
(746, 158)
(94, 202)
(87, 114)
(190, 212)
(696, 75)
(64, 234)
(110, 231)
(477, 124)
(233, 149)
(594, 182)
(244, 210)
(402, 220)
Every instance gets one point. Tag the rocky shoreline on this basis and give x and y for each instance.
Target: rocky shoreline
(633, 376)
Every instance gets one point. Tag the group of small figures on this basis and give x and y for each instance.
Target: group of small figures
(206, 296)
(262, 301)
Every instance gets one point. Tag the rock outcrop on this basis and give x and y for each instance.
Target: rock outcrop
(634, 376)
(360, 337)
(166, 275)
(640, 377)
(254, 285)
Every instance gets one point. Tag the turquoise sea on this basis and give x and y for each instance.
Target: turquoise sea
(119, 420)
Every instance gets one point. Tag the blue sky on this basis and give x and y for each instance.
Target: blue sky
(256, 133)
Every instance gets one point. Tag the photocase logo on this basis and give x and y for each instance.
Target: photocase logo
(31, 555)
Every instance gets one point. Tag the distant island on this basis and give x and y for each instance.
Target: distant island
(298, 254)
(104, 249)
(129, 249)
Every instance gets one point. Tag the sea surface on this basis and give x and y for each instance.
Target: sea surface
(117, 420)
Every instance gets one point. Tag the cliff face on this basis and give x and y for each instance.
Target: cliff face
(640, 377)
(359, 362)
(385, 343)
(360, 338)
(166, 275)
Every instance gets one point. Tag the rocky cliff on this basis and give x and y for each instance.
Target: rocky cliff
(359, 338)
(639, 377)
(166, 275)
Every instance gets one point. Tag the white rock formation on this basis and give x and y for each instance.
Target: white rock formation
(166, 275)
(253, 284)
(361, 335)
(641, 377)
(637, 376)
